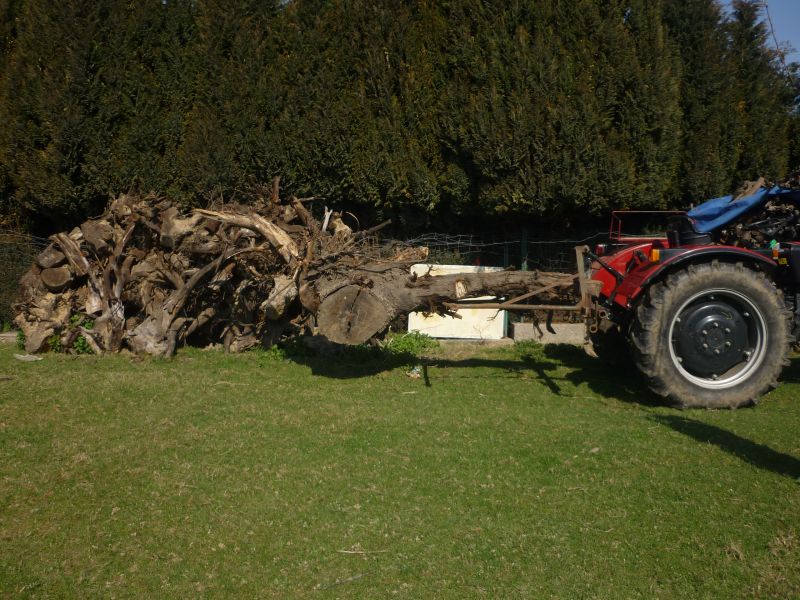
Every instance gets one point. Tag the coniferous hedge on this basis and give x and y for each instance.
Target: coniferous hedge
(446, 109)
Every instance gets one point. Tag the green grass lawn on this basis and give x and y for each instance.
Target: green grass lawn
(493, 475)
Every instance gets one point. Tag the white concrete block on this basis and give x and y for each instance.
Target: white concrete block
(474, 324)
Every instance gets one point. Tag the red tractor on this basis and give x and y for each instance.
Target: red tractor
(709, 311)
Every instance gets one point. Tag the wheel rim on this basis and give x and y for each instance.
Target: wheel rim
(718, 338)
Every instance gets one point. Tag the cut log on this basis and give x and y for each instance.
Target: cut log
(56, 279)
(98, 233)
(150, 337)
(72, 250)
(240, 342)
(109, 327)
(41, 307)
(50, 257)
(353, 314)
(30, 284)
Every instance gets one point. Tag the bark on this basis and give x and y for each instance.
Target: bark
(352, 314)
(98, 233)
(50, 257)
(280, 298)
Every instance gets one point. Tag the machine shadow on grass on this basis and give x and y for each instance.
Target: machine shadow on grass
(791, 374)
(543, 363)
(758, 455)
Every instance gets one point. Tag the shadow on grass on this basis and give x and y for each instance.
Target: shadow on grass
(791, 374)
(758, 455)
(539, 362)
(622, 383)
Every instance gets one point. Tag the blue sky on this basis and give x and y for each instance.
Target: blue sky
(786, 21)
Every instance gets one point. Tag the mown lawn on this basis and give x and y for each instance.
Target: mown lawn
(493, 476)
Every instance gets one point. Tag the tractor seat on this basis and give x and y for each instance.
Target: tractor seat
(682, 232)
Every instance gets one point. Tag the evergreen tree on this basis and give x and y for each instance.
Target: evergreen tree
(45, 102)
(442, 109)
(764, 98)
(230, 65)
(361, 84)
(8, 33)
(710, 149)
(552, 119)
(794, 127)
(144, 89)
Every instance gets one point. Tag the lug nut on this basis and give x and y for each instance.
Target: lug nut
(716, 350)
(716, 324)
(705, 345)
(704, 332)
(727, 344)
(727, 330)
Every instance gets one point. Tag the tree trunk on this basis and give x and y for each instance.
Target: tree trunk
(353, 313)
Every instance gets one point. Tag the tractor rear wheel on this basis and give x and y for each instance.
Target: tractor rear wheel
(714, 335)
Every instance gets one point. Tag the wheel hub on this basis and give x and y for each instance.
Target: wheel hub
(711, 336)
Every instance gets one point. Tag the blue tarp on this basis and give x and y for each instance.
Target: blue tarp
(715, 213)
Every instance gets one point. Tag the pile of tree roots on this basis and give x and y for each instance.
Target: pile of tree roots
(774, 221)
(148, 277)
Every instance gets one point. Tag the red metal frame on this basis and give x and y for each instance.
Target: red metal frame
(634, 262)
(616, 235)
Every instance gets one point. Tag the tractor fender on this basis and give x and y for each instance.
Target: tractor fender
(704, 254)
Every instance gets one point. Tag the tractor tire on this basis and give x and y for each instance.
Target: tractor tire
(714, 335)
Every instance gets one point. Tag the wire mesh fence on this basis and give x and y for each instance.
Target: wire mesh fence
(526, 251)
(17, 251)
